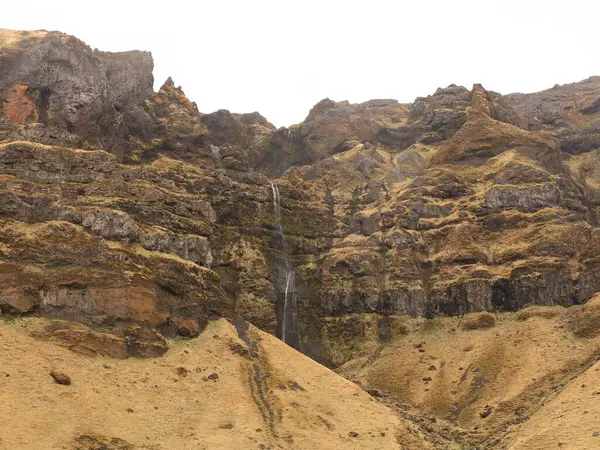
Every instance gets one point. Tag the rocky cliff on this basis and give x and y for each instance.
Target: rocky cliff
(124, 207)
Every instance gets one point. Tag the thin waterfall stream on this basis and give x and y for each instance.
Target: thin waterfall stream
(289, 315)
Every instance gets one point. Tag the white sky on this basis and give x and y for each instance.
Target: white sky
(280, 57)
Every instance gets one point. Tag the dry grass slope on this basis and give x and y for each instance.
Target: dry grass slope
(263, 396)
(534, 372)
(11, 38)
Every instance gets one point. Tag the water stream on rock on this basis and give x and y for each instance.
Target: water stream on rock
(289, 317)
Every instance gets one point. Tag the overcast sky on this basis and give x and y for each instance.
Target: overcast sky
(280, 57)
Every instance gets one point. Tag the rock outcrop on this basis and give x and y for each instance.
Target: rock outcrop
(123, 206)
(85, 95)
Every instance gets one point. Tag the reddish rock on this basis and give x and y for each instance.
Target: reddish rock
(16, 107)
(61, 378)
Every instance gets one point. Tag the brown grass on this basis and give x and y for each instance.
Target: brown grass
(278, 399)
(584, 321)
(478, 321)
(11, 38)
(515, 367)
(546, 312)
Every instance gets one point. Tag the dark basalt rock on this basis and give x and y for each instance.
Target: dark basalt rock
(463, 201)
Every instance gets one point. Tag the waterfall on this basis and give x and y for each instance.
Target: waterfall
(277, 207)
(289, 316)
(289, 280)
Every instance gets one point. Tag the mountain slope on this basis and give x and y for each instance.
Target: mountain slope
(466, 219)
(275, 399)
(488, 381)
(570, 420)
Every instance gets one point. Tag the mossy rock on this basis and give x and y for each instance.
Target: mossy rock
(585, 321)
(478, 321)
(546, 312)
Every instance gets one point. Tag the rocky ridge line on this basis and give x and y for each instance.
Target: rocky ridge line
(462, 201)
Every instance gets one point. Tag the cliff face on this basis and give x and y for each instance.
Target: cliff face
(76, 93)
(122, 206)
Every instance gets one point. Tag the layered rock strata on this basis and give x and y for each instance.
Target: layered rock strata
(122, 205)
